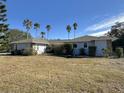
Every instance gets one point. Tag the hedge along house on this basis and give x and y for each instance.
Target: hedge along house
(85, 42)
(37, 45)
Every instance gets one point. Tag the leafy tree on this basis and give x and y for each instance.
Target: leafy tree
(68, 28)
(15, 35)
(36, 27)
(75, 25)
(3, 26)
(117, 31)
(48, 27)
(42, 34)
(28, 25)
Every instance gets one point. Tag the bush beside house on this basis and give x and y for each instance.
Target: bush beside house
(119, 52)
(107, 52)
(16, 52)
(24, 52)
(50, 49)
(29, 51)
(68, 49)
(60, 50)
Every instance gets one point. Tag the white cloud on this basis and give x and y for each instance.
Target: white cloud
(107, 23)
(102, 33)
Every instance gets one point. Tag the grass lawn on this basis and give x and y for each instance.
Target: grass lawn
(48, 74)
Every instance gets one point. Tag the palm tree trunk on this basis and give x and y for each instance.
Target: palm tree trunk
(74, 34)
(27, 34)
(47, 35)
(36, 34)
(42, 36)
(68, 35)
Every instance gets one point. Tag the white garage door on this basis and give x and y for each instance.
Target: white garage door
(39, 48)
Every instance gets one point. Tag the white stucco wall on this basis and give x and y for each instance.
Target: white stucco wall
(81, 45)
(39, 48)
(100, 44)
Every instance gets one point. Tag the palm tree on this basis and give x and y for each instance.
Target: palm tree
(36, 27)
(68, 28)
(75, 25)
(48, 27)
(42, 34)
(28, 25)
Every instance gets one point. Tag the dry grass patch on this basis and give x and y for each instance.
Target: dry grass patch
(46, 74)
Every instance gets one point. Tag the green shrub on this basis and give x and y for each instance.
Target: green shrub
(62, 49)
(68, 48)
(34, 52)
(119, 52)
(92, 51)
(82, 52)
(24, 52)
(17, 52)
(58, 49)
(29, 51)
(50, 49)
(12, 52)
(106, 52)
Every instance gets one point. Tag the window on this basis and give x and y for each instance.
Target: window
(85, 45)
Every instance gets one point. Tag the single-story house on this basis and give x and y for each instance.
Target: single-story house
(84, 42)
(38, 45)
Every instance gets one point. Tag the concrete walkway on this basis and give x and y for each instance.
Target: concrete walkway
(1, 54)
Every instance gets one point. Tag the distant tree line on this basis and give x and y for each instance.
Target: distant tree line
(15, 35)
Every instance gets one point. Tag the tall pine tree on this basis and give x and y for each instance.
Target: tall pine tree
(3, 26)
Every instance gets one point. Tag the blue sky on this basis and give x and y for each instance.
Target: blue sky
(94, 17)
